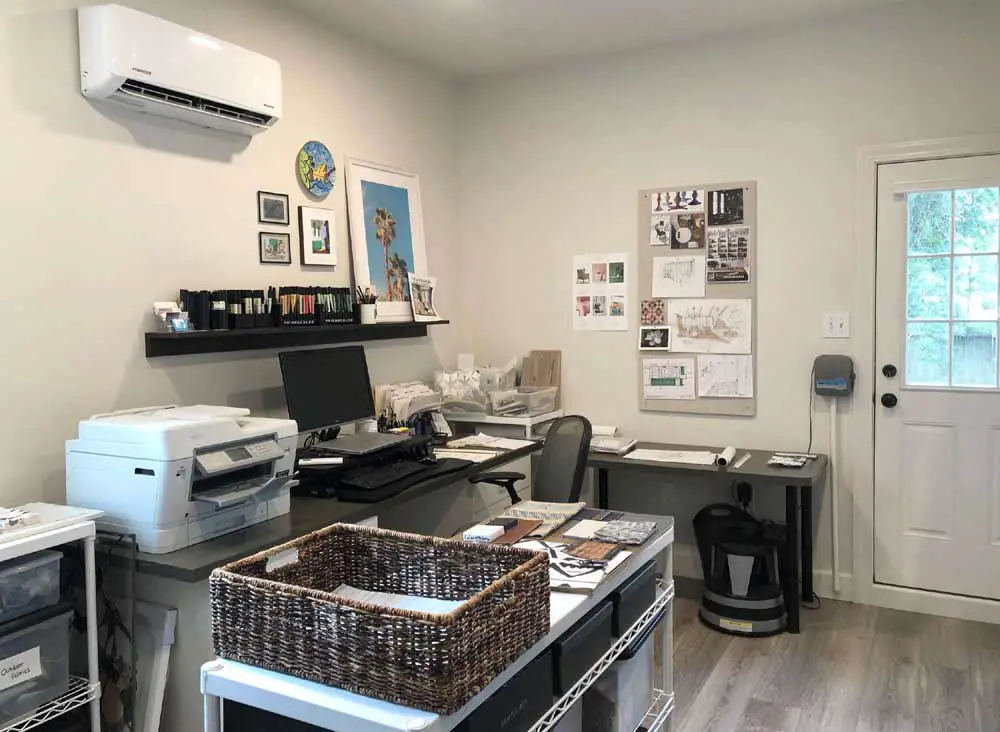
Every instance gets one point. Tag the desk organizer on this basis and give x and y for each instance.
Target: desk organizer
(277, 610)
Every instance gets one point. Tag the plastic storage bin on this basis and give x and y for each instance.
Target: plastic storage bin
(34, 661)
(524, 401)
(619, 700)
(28, 584)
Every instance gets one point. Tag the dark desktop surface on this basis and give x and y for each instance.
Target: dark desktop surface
(307, 514)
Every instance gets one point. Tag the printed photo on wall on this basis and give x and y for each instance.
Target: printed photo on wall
(317, 238)
(660, 203)
(688, 231)
(274, 248)
(653, 312)
(725, 207)
(422, 298)
(583, 306)
(600, 304)
(599, 272)
(616, 273)
(583, 276)
(272, 208)
(659, 231)
(728, 255)
(685, 201)
(654, 338)
(617, 306)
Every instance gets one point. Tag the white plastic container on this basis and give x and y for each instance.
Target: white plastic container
(28, 584)
(619, 700)
(524, 401)
(34, 666)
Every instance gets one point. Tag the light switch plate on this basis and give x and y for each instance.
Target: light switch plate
(837, 325)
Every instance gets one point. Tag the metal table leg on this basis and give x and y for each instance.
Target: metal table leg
(93, 674)
(791, 588)
(213, 713)
(808, 593)
(602, 488)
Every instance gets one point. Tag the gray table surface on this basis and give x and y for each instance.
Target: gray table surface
(811, 474)
(307, 514)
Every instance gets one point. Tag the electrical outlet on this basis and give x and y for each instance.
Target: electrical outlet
(837, 325)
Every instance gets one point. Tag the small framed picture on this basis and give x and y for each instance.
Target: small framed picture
(422, 298)
(317, 237)
(272, 208)
(275, 248)
(654, 338)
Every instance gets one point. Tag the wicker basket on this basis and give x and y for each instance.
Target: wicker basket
(288, 621)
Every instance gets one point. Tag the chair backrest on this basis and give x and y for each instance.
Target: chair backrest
(563, 461)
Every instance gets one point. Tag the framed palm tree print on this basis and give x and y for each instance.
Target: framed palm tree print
(387, 234)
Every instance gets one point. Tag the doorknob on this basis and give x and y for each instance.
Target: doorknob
(889, 370)
(889, 400)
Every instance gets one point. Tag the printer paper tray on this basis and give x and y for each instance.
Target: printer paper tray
(224, 498)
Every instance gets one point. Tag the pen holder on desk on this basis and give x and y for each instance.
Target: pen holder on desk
(369, 314)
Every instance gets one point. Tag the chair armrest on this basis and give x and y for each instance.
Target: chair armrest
(497, 478)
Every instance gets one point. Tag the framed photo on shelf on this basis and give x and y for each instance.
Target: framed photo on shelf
(422, 298)
(387, 234)
(274, 248)
(317, 236)
(272, 208)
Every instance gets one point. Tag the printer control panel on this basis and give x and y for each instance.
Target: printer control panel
(238, 456)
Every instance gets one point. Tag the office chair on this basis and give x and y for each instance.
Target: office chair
(561, 464)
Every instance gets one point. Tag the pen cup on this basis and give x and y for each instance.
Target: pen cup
(368, 314)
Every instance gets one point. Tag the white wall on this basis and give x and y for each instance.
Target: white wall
(553, 158)
(105, 211)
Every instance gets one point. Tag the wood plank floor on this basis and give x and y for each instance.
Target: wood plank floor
(853, 669)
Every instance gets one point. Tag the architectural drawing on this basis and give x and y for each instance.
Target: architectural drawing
(679, 276)
(725, 376)
(710, 326)
(668, 378)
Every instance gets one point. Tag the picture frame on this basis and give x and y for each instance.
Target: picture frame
(272, 208)
(385, 216)
(317, 236)
(274, 247)
(654, 338)
(422, 291)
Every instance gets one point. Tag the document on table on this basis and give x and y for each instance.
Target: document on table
(489, 442)
(687, 457)
(476, 456)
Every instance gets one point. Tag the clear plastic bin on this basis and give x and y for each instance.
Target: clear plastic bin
(524, 401)
(38, 654)
(28, 584)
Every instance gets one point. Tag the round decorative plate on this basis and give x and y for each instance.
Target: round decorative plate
(317, 171)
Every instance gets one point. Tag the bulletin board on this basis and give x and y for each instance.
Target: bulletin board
(697, 265)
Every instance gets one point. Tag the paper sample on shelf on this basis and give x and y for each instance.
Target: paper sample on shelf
(710, 326)
(402, 602)
(584, 529)
(552, 515)
(600, 291)
(679, 276)
(668, 378)
(564, 569)
(725, 376)
(685, 457)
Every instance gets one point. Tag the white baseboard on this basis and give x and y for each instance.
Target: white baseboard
(931, 603)
(688, 564)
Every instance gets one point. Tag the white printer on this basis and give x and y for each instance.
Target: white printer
(176, 476)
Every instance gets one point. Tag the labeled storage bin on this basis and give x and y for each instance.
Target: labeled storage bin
(524, 401)
(518, 704)
(34, 661)
(633, 598)
(28, 584)
(332, 606)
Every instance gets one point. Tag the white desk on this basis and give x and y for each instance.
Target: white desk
(335, 709)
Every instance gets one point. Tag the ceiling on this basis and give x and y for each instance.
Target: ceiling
(472, 37)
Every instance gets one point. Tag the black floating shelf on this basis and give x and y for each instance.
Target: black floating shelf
(223, 341)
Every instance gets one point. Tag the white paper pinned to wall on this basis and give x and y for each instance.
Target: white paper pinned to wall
(600, 292)
(668, 378)
(679, 276)
(725, 376)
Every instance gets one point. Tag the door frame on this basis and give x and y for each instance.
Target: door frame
(862, 472)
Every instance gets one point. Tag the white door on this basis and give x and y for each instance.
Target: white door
(937, 449)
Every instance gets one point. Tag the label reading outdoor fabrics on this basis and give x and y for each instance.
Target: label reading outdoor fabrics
(20, 668)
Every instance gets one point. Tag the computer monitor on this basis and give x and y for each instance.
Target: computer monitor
(327, 387)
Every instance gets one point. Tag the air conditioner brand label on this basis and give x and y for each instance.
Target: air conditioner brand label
(23, 667)
(147, 72)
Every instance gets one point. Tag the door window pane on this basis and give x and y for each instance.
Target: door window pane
(977, 220)
(927, 354)
(929, 229)
(975, 288)
(928, 288)
(974, 354)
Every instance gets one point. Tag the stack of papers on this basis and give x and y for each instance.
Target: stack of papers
(687, 457)
(552, 515)
(475, 456)
(612, 445)
(492, 443)
(567, 572)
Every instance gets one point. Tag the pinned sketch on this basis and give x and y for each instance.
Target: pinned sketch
(725, 207)
(654, 312)
(710, 326)
(659, 231)
(654, 338)
(679, 276)
(668, 378)
(687, 231)
(600, 292)
(725, 376)
(728, 255)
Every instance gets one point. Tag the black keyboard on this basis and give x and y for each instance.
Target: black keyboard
(373, 477)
